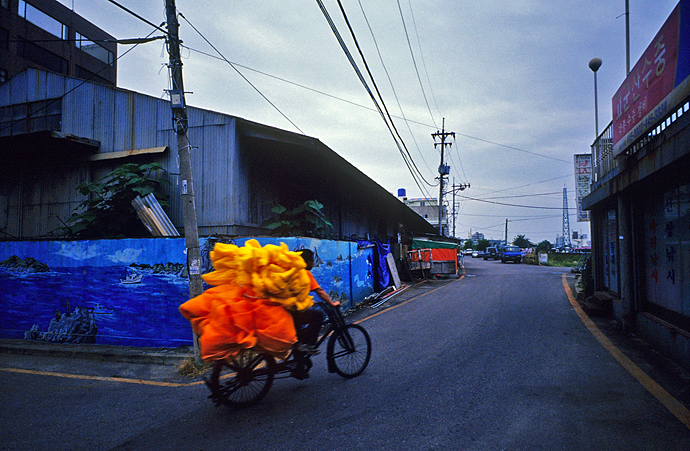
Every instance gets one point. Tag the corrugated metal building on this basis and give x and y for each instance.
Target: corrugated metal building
(57, 131)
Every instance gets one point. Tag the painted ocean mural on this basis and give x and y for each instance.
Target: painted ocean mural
(127, 292)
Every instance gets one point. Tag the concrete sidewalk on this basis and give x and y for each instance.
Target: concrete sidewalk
(174, 356)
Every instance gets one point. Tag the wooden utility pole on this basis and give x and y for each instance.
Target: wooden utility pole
(506, 238)
(180, 125)
(443, 170)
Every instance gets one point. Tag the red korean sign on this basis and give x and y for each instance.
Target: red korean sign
(651, 90)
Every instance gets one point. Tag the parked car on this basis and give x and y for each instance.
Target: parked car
(510, 253)
(491, 253)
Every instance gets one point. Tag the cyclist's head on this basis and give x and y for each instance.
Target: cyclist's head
(308, 257)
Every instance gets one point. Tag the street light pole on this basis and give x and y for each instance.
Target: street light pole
(595, 64)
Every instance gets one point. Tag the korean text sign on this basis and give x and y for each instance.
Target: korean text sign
(656, 84)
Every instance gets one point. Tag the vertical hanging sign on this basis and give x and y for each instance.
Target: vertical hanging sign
(583, 179)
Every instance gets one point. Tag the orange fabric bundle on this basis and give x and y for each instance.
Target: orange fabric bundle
(241, 312)
(228, 319)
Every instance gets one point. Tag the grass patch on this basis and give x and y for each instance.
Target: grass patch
(191, 368)
(563, 260)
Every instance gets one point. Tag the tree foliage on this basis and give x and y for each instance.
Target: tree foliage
(544, 246)
(304, 220)
(483, 244)
(522, 242)
(468, 245)
(108, 212)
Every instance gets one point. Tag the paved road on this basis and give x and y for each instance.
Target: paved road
(496, 360)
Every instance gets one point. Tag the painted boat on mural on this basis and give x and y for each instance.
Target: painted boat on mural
(101, 309)
(131, 278)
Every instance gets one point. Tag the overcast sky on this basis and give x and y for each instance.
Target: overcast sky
(511, 79)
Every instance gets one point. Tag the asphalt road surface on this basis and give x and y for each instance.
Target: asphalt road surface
(495, 360)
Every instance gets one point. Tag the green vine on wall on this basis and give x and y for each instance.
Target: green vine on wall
(108, 212)
(304, 220)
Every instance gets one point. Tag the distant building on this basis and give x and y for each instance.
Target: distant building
(427, 208)
(44, 34)
(477, 236)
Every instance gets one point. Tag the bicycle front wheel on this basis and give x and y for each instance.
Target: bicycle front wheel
(244, 381)
(349, 350)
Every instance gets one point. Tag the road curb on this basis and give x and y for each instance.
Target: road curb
(157, 356)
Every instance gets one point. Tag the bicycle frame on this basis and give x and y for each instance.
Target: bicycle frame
(334, 322)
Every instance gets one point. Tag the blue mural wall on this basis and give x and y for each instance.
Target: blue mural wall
(130, 289)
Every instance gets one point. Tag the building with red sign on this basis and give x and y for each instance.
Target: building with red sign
(640, 194)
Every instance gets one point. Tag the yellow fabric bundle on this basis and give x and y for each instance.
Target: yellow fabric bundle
(275, 272)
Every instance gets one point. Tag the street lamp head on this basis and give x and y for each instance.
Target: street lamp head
(595, 64)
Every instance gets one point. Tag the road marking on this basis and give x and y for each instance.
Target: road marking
(672, 404)
(100, 378)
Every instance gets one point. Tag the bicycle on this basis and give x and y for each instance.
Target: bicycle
(246, 379)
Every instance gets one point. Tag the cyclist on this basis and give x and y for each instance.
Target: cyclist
(308, 322)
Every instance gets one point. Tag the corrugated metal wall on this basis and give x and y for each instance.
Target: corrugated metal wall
(122, 120)
(232, 192)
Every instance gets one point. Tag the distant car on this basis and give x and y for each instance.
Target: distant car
(475, 254)
(468, 251)
(510, 253)
(491, 253)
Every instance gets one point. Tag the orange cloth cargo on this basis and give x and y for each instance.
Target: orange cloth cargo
(240, 313)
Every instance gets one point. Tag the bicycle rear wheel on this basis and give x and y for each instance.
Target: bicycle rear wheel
(244, 381)
(349, 350)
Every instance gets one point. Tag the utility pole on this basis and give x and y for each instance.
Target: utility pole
(180, 125)
(443, 169)
(455, 189)
(506, 237)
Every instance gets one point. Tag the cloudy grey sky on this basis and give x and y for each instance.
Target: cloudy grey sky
(511, 79)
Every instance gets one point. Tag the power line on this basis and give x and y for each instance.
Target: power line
(513, 205)
(514, 148)
(421, 85)
(522, 195)
(404, 118)
(421, 53)
(129, 11)
(529, 184)
(383, 103)
(390, 81)
(158, 27)
(343, 46)
(240, 73)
